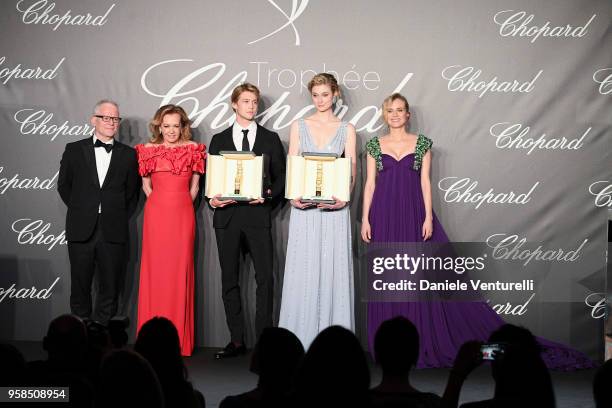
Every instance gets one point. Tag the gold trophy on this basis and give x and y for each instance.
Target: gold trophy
(318, 178)
(238, 178)
(319, 182)
(234, 175)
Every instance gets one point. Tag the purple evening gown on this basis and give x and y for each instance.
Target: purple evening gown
(397, 214)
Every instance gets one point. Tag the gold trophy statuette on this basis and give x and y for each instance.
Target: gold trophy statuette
(238, 179)
(319, 181)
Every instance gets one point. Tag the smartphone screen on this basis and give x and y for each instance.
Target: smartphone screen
(491, 351)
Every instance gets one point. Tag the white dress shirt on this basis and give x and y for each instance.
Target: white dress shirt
(237, 135)
(103, 159)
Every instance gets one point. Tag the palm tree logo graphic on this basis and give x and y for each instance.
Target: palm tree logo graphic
(297, 8)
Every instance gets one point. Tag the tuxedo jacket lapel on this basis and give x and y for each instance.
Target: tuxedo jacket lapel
(228, 140)
(258, 149)
(258, 140)
(90, 160)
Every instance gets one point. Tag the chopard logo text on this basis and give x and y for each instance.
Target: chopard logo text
(41, 12)
(515, 136)
(518, 24)
(467, 79)
(462, 190)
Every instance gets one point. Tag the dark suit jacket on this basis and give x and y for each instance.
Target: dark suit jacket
(80, 190)
(267, 143)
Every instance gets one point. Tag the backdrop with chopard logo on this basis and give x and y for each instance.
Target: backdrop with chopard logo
(516, 95)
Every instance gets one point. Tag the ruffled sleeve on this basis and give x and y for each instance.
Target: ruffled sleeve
(422, 146)
(373, 149)
(147, 157)
(198, 156)
(188, 157)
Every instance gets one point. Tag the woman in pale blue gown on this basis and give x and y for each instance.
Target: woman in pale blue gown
(318, 281)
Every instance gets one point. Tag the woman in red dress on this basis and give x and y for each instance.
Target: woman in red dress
(170, 166)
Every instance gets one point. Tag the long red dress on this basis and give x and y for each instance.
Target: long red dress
(166, 268)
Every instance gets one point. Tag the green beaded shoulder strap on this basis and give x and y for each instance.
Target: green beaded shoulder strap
(373, 149)
(422, 146)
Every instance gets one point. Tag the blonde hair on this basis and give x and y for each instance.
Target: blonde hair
(325, 79)
(156, 136)
(389, 100)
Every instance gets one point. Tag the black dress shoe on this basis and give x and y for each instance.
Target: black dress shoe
(231, 350)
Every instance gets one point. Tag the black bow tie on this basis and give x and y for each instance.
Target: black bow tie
(107, 146)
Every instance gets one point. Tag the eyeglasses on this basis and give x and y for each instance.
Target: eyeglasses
(108, 119)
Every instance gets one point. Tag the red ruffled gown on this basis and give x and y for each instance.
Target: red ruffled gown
(166, 268)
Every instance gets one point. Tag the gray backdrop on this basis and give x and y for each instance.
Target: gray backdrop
(515, 95)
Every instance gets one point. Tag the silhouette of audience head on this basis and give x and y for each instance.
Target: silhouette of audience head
(276, 357)
(127, 379)
(12, 371)
(601, 386)
(396, 346)
(275, 360)
(334, 370)
(66, 341)
(158, 342)
(520, 373)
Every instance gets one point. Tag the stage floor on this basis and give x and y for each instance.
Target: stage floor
(218, 378)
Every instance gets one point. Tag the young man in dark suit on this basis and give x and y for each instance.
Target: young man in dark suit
(247, 222)
(99, 183)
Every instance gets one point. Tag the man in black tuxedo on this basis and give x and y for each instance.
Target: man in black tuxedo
(99, 183)
(247, 222)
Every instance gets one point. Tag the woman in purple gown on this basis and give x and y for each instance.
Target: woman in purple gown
(397, 207)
